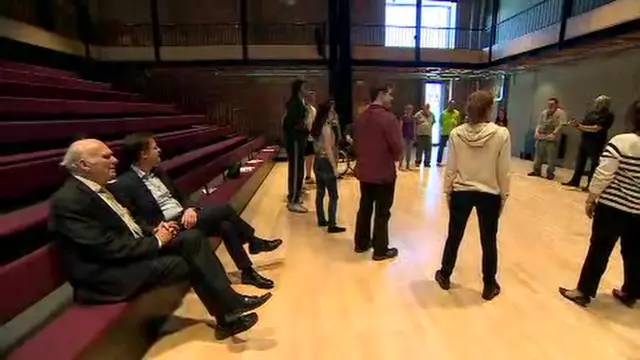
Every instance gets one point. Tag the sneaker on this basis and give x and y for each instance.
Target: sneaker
(297, 208)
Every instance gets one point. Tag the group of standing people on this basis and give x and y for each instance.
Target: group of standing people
(594, 129)
(477, 176)
(417, 132)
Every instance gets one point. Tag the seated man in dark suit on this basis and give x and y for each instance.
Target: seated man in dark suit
(152, 197)
(110, 258)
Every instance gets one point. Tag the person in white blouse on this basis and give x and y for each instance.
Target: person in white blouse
(614, 205)
(477, 176)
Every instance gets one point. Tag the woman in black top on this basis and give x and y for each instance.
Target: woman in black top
(594, 128)
(296, 134)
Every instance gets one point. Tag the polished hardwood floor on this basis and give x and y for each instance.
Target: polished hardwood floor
(330, 303)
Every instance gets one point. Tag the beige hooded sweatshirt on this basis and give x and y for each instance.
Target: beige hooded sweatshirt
(479, 159)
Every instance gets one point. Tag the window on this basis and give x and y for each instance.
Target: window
(438, 21)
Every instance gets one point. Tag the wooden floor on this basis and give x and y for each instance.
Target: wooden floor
(330, 303)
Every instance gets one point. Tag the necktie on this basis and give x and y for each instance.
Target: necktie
(122, 212)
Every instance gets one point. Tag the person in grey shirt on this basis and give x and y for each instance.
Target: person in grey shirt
(424, 120)
(551, 121)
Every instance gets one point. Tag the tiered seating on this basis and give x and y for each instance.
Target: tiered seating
(31, 147)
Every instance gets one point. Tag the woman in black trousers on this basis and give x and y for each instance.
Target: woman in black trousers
(296, 135)
(614, 206)
(477, 175)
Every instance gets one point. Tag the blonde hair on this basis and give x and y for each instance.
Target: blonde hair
(478, 106)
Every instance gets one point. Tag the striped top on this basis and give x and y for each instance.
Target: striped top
(617, 179)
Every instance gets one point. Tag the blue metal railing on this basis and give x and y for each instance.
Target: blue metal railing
(534, 18)
(583, 6)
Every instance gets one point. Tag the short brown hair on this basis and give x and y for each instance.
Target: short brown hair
(376, 90)
(478, 106)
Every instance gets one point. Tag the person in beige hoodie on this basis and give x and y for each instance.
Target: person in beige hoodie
(477, 175)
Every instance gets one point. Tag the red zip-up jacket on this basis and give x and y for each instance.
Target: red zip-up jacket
(378, 145)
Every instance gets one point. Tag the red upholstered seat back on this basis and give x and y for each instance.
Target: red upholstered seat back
(28, 279)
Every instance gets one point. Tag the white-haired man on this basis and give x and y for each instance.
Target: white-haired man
(110, 258)
(594, 128)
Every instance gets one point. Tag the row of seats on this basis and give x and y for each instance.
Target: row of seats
(38, 318)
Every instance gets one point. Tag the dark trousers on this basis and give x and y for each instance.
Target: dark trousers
(224, 221)
(608, 225)
(295, 155)
(326, 181)
(380, 196)
(587, 151)
(488, 210)
(441, 145)
(189, 257)
(423, 150)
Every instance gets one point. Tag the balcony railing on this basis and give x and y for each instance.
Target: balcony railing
(535, 18)
(430, 37)
(583, 6)
(125, 35)
(285, 34)
(200, 34)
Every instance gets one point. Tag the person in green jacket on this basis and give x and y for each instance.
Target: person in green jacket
(449, 119)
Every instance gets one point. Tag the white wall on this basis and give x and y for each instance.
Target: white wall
(575, 84)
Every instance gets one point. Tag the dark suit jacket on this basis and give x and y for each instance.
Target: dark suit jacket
(104, 260)
(132, 193)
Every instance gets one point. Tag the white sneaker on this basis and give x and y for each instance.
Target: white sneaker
(297, 208)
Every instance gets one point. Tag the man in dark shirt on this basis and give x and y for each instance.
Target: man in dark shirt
(296, 134)
(594, 128)
(378, 145)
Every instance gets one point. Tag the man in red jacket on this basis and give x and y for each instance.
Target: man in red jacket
(378, 145)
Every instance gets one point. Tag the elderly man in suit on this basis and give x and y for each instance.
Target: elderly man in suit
(111, 258)
(152, 198)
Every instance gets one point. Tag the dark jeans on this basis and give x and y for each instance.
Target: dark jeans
(608, 225)
(295, 154)
(488, 210)
(325, 181)
(224, 221)
(587, 151)
(441, 145)
(380, 196)
(189, 257)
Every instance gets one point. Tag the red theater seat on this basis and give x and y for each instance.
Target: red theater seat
(28, 107)
(44, 79)
(24, 89)
(23, 178)
(10, 65)
(20, 131)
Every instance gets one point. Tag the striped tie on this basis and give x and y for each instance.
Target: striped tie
(122, 212)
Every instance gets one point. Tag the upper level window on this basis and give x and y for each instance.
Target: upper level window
(438, 23)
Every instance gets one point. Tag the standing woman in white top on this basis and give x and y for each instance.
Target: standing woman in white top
(614, 206)
(477, 175)
(309, 102)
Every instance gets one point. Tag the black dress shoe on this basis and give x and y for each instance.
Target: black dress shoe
(362, 250)
(334, 229)
(253, 278)
(623, 298)
(571, 184)
(389, 254)
(323, 223)
(249, 303)
(260, 245)
(443, 281)
(579, 300)
(491, 291)
(235, 327)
